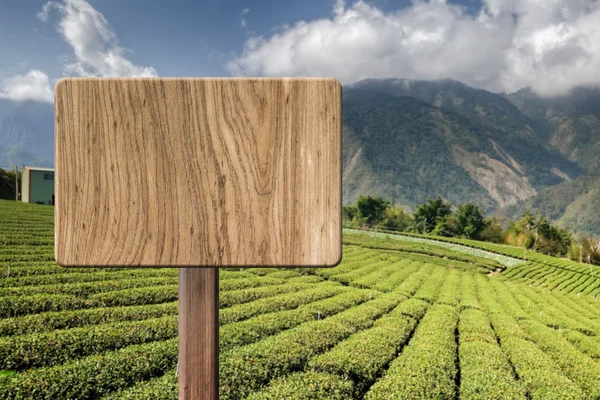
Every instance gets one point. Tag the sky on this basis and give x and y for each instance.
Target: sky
(551, 46)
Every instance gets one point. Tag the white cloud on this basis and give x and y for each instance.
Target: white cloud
(551, 46)
(96, 52)
(243, 20)
(35, 85)
(95, 44)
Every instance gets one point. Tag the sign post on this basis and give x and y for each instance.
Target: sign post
(198, 174)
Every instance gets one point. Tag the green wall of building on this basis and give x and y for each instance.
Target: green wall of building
(37, 186)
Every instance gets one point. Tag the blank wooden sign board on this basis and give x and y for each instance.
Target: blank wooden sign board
(198, 172)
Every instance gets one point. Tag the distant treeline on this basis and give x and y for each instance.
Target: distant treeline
(440, 218)
(7, 184)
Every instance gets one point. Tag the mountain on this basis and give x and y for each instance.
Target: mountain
(574, 204)
(26, 134)
(412, 140)
(570, 123)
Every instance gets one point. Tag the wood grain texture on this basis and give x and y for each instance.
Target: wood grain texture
(198, 172)
(198, 334)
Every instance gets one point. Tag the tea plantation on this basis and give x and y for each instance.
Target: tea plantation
(402, 317)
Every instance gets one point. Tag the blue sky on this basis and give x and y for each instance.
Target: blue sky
(187, 38)
(499, 45)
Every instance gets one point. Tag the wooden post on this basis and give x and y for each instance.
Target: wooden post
(198, 333)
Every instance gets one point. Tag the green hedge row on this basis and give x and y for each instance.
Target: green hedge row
(282, 302)
(349, 264)
(228, 299)
(516, 297)
(305, 279)
(517, 252)
(245, 283)
(50, 321)
(427, 366)
(430, 288)
(539, 374)
(518, 271)
(14, 306)
(93, 376)
(48, 273)
(91, 275)
(399, 276)
(413, 308)
(363, 356)
(247, 368)
(413, 283)
(162, 388)
(132, 297)
(468, 293)
(162, 294)
(88, 288)
(472, 259)
(581, 281)
(21, 269)
(27, 250)
(306, 385)
(566, 316)
(579, 367)
(484, 370)
(8, 258)
(52, 348)
(578, 303)
(257, 328)
(568, 280)
(586, 344)
(301, 385)
(367, 268)
(449, 292)
(370, 280)
(284, 274)
(44, 349)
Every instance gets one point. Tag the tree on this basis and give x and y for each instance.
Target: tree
(371, 210)
(550, 239)
(493, 231)
(428, 215)
(349, 213)
(7, 184)
(396, 218)
(470, 220)
(590, 249)
(445, 226)
(522, 233)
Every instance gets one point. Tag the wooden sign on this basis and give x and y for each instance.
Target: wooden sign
(198, 173)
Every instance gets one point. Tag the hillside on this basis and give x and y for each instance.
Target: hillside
(574, 204)
(26, 134)
(399, 318)
(570, 123)
(412, 140)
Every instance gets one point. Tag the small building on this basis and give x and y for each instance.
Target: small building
(37, 185)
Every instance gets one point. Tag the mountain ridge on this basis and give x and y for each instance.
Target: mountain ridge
(410, 140)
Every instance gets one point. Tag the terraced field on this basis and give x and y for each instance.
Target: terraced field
(397, 319)
(531, 268)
